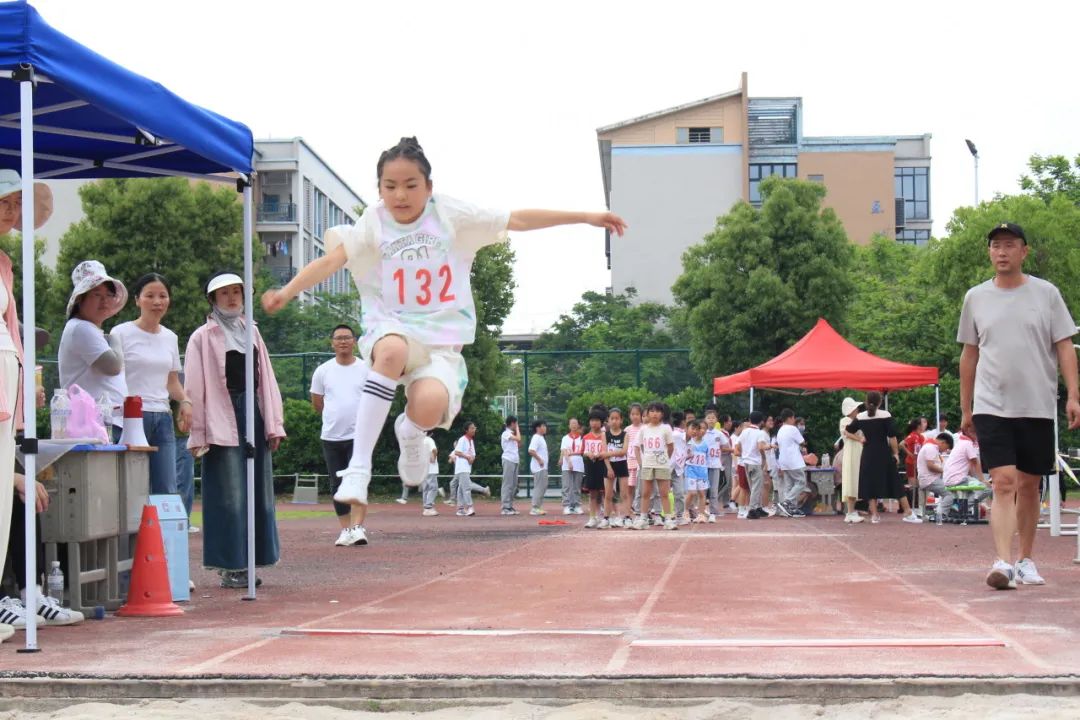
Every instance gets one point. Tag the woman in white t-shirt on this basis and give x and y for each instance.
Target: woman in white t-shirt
(152, 370)
(87, 356)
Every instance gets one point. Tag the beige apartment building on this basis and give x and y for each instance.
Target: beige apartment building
(671, 173)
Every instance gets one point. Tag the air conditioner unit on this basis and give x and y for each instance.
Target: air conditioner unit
(900, 218)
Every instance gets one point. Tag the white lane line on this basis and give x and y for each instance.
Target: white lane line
(706, 535)
(983, 626)
(622, 653)
(435, 632)
(820, 642)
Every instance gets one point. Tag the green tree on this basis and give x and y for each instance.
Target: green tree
(180, 229)
(1053, 175)
(760, 280)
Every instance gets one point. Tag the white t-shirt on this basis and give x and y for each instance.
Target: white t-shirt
(465, 446)
(930, 452)
(433, 453)
(341, 387)
(790, 441)
(509, 446)
(653, 441)
(573, 463)
(1015, 330)
(148, 360)
(539, 445)
(712, 439)
(81, 344)
(414, 279)
(678, 457)
(957, 466)
(749, 454)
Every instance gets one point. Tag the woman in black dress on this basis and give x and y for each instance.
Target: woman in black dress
(880, 455)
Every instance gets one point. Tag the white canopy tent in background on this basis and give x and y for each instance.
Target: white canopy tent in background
(68, 112)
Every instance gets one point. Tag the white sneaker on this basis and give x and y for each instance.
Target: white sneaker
(12, 613)
(358, 535)
(855, 518)
(354, 486)
(430, 512)
(578, 511)
(685, 519)
(743, 512)
(6, 631)
(193, 529)
(732, 507)
(401, 501)
(1027, 573)
(413, 462)
(1002, 576)
(770, 510)
(486, 492)
(591, 523)
(712, 518)
(537, 511)
(54, 614)
(344, 539)
(440, 492)
(604, 524)
(913, 518)
(616, 522)
(640, 523)
(567, 510)
(670, 524)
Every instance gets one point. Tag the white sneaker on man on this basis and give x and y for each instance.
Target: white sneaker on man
(413, 462)
(577, 510)
(537, 511)
(1027, 573)
(567, 510)
(55, 614)
(591, 523)
(344, 538)
(1002, 576)
(913, 518)
(401, 501)
(354, 486)
(430, 512)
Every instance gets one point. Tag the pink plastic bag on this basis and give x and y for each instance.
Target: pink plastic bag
(85, 421)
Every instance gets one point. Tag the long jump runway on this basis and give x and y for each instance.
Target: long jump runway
(505, 596)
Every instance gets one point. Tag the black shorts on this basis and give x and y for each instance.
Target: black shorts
(595, 472)
(622, 470)
(337, 454)
(1027, 443)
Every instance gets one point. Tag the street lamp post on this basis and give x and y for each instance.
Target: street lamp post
(975, 154)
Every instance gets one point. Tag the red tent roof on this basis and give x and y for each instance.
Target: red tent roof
(824, 360)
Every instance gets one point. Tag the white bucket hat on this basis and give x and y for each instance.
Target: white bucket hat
(11, 183)
(86, 276)
(848, 406)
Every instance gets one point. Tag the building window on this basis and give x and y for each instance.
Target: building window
(699, 135)
(759, 172)
(913, 186)
(913, 237)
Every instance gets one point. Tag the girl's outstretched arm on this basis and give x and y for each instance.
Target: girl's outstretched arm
(522, 220)
(312, 274)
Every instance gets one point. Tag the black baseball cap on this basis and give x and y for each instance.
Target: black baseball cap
(1006, 227)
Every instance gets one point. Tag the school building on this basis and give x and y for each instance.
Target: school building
(672, 172)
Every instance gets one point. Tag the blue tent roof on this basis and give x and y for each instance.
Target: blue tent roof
(96, 119)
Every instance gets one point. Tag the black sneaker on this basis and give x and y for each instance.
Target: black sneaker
(236, 579)
(783, 510)
(797, 513)
(756, 514)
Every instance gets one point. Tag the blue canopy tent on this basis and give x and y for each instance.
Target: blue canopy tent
(68, 112)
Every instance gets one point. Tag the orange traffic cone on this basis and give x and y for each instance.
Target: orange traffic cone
(149, 594)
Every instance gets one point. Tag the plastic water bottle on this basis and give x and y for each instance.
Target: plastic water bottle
(59, 412)
(826, 461)
(56, 583)
(939, 511)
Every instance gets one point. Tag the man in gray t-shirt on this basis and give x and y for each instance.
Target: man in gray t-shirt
(1016, 332)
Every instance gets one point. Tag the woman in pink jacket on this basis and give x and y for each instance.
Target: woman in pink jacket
(214, 380)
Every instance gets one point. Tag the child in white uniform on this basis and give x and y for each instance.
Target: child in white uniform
(410, 257)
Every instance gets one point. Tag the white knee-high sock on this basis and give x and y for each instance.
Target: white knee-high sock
(371, 415)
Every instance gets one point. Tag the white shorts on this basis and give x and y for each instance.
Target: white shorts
(697, 485)
(445, 364)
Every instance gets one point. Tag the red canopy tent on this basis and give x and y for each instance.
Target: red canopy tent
(824, 360)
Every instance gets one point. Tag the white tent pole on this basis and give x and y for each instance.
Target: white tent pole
(249, 390)
(937, 408)
(1054, 485)
(29, 393)
(751, 399)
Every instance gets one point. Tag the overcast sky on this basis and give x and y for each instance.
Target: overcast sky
(506, 96)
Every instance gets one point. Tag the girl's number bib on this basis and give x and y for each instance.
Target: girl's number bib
(421, 285)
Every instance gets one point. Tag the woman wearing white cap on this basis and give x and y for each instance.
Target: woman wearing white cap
(214, 380)
(87, 356)
(853, 447)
